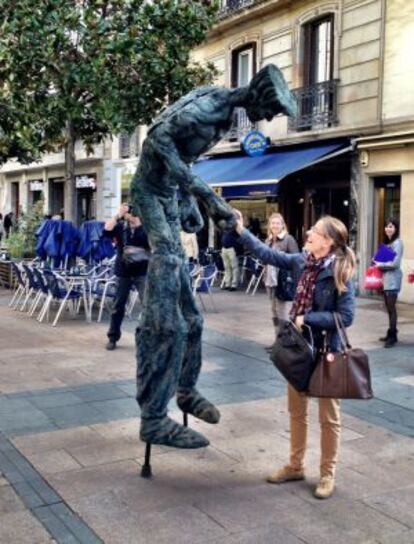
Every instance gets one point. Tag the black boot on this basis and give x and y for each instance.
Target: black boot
(392, 339)
(385, 338)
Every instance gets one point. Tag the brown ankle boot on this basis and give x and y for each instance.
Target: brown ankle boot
(325, 487)
(286, 474)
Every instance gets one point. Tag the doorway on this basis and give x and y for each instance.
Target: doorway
(387, 202)
(85, 205)
(15, 198)
(57, 196)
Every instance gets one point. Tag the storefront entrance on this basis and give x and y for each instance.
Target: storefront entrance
(86, 205)
(15, 198)
(57, 196)
(387, 202)
(323, 189)
(85, 198)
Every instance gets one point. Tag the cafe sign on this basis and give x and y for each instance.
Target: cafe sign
(85, 182)
(255, 143)
(36, 185)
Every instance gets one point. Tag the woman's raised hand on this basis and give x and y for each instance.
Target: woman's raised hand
(239, 221)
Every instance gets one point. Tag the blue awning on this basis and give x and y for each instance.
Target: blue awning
(264, 170)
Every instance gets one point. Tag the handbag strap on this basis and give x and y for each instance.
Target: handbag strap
(343, 336)
(311, 342)
(124, 235)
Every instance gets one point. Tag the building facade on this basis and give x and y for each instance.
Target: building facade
(102, 180)
(349, 64)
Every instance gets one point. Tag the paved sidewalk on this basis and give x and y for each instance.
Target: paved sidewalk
(70, 456)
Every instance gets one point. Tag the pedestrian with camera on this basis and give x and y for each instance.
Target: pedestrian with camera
(131, 264)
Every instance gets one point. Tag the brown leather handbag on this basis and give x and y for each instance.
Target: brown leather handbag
(341, 375)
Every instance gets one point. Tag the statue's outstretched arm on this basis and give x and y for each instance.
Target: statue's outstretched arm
(190, 185)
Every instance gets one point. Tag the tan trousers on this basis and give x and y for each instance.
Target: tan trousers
(330, 423)
(231, 267)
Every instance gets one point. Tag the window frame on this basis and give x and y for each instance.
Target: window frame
(235, 55)
(309, 55)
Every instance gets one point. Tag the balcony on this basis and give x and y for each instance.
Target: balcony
(229, 7)
(317, 107)
(240, 127)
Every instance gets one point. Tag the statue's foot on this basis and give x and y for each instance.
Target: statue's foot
(192, 402)
(167, 432)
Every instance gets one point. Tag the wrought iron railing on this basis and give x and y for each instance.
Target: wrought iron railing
(241, 125)
(317, 106)
(228, 7)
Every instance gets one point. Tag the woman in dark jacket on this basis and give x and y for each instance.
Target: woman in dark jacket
(325, 269)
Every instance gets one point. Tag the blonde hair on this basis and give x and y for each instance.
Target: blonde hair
(274, 215)
(345, 261)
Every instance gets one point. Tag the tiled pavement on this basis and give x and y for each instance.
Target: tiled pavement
(70, 455)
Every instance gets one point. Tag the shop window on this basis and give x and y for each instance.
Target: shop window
(386, 204)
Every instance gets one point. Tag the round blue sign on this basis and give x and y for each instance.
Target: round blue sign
(254, 143)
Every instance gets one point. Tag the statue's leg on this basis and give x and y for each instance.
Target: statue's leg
(161, 336)
(188, 398)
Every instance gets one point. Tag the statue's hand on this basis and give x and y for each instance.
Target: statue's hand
(223, 215)
(190, 216)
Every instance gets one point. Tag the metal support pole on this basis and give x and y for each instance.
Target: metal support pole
(146, 471)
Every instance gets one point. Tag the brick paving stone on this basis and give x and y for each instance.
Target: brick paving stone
(346, 514)
(52, 462)
(58, 399)
(397, 504)
(9, 501)
(268, 534)
(405, 537)
(109, 451)
(90, 480)
(22, 528)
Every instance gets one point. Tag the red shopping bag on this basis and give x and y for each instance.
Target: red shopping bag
(373, 279)
(411, 276)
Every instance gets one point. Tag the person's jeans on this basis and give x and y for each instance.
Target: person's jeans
(122, 292)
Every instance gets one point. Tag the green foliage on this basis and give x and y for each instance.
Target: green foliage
(102, 66)
(22, 242)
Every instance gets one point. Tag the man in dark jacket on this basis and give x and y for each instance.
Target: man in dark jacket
(127, 230)
(8, 223)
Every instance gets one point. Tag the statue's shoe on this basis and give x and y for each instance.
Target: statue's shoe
(167, 432)
(192, 402)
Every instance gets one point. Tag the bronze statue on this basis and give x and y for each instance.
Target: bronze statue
(168, 336)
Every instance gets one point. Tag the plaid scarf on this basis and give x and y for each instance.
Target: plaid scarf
(304, 292)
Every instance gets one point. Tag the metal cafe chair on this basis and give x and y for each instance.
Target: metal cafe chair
(203, 284)
(60, 291)
(256, 277)
(22, 286)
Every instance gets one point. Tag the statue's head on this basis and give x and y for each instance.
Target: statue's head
(268, 95)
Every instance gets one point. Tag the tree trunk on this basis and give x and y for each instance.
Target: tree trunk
(70, 182)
